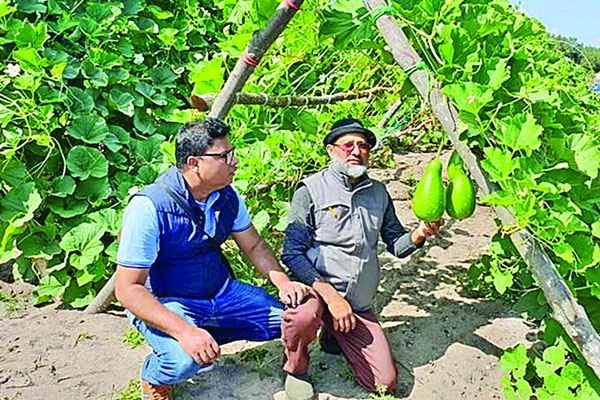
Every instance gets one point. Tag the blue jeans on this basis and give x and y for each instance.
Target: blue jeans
(238, 311)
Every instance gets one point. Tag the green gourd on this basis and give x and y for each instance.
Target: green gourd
(454, 164)
(460, 196)
(429, 198)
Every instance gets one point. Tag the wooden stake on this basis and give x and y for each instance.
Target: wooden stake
(259, 44)
(566, 310)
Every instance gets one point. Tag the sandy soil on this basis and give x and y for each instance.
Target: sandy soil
(445, 340)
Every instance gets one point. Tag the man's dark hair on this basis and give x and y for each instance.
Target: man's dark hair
(195, 138)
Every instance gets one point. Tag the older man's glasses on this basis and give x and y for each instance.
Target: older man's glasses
(227, 156)
(348, 147)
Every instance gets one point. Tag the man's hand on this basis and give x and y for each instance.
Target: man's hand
(344, 319)
(291, 293)
(425, 230)
(199, 344)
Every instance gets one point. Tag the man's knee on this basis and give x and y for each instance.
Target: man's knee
(384, 380)
(178, 365)
(388, 380)
(301, 319)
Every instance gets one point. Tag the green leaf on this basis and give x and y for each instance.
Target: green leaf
(80, 101)
(50, 288)
(521, 133)
(32, 36)
(502, 280)
(88, 128)
(596, 229)
(162, 78)
(20, 203)
(572, 375)
(85, 239)
(62, 186)
(147, 174)
(13, 173)
(143, 122)
(31, 6)
(207, 76)
(85, 161)
(68, 207)
(307, 122)
(97, 77)
(116, 138)
(108, 218)
(148, 149)
(159, 12)
(499, 73)
(261, 220)
(499, 164)
(122, 101)
(29, 59)
(587, 154)
(515, 360)
(39, 246)
(6, 8)
(469, 96)
(93, 189)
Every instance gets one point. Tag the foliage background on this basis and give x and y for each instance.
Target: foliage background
(92, 95)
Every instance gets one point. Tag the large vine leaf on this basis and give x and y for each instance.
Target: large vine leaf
(89, 128)
(85, 161)
(108, 218)
(521, 133)
(20, 203)
(62, 186)
(39, 246)
(587, 154)
(122, 101)
(84, 239)
(68, 207)
(13, 172)
(93, 189)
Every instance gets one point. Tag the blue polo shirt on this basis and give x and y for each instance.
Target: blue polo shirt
(139, 244)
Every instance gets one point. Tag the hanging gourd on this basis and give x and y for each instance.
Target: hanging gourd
(460, 195)
(429, 198)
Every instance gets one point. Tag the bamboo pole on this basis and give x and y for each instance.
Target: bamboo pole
(566, 310)
(260, 42)
(202, 102)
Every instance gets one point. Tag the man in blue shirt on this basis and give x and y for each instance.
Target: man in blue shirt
(172, 277)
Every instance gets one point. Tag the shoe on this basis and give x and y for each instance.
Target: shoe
(328, 343)
(155, 392)
(298, 388)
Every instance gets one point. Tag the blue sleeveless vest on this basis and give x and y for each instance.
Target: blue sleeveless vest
(188, 264)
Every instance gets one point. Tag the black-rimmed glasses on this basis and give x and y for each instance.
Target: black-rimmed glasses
(228, 156)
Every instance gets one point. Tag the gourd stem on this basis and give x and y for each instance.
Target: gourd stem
(437, 156)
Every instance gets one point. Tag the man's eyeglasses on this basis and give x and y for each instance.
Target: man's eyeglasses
(348, 147)
(227, 156)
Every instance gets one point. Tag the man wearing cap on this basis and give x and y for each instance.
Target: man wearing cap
(335, 219)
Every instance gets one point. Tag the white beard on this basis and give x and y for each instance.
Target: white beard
(352, 171)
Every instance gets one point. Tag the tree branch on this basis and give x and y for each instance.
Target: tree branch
(202, 102)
